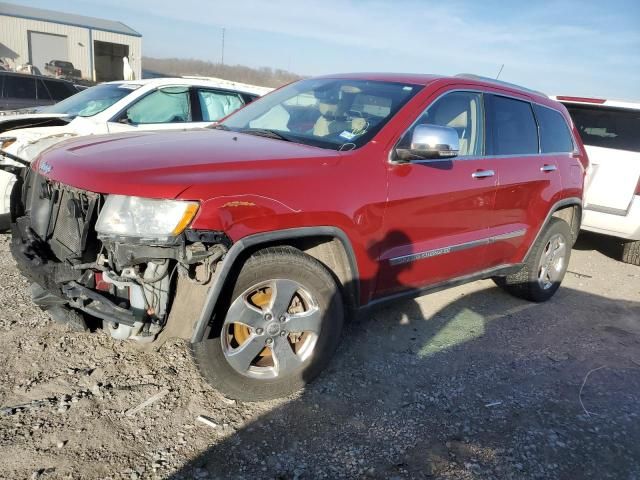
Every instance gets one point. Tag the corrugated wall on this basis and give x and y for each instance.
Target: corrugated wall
(14, 42)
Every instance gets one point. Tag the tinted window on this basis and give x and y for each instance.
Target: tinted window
(554, 132)
(607, 127)
(58, 90)
(216, 105)
(168, 105)
(43, 93)
(19, 87)
(461, 111)
(513, 128)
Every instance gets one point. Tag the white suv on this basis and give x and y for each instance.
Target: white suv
(154, 104)
(610, 131)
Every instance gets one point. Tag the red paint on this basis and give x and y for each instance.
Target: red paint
(248, 184)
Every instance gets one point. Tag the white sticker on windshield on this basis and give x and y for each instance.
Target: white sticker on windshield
(347, 135)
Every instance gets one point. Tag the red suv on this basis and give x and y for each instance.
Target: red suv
(255, 238)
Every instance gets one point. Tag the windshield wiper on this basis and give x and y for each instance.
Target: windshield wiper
(265, 132)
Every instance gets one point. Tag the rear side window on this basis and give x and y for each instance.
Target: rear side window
(554, 132)
(216, 105)
(58, 90)
(19, 87)
(607, 127)
(513, 129)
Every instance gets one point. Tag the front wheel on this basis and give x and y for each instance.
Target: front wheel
(282, 327)
(544, 268)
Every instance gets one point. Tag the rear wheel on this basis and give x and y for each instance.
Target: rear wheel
(631, 252)
(281, 329)
(544, 269)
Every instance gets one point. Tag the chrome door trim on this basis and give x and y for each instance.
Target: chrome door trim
(455, 248)
(483, 173)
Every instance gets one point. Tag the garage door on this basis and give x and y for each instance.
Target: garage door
(44, 47)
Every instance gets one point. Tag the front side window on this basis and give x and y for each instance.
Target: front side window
(607, 127)
(328, 113)
(88, 102)
(554, 132)
(216, 105)
(19, 87)
(513, 128)
(166, 105)
(462, 111)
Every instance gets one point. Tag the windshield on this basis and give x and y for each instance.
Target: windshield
(607, 127)
(92, 101)
(340, 114)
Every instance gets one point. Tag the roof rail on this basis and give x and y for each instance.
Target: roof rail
(471, 76)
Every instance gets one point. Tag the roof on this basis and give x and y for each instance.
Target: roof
(597, 101)
(198, 81)
(425, 79)
(29, 13)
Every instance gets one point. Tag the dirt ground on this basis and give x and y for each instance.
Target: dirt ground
(467, 383)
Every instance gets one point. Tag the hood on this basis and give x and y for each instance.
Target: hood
(164, 164)
(9, 122)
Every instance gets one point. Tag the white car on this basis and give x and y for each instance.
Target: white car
(155, 104)
(610, 131)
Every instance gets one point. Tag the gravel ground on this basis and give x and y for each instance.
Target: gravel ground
(466, 383)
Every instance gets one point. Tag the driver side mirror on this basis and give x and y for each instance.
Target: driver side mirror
(430, 142)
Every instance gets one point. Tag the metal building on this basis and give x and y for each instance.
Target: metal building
(95, 46)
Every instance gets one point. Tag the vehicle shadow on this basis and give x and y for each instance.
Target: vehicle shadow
(605, 244)
(488, 386)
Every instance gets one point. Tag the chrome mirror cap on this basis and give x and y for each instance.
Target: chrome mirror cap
(431, 142)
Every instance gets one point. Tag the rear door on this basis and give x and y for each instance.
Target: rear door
(435, 220)
(527, 181)
(612, 139)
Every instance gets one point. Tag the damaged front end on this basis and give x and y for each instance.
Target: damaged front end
(73, 245)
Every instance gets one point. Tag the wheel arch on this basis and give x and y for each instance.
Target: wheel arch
(327, 244)
(567, 209)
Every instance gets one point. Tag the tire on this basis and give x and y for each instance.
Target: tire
(631, 252)
(527, 283)
(261, 289)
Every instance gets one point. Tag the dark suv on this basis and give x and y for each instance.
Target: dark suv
(20, 90)
(255, 238)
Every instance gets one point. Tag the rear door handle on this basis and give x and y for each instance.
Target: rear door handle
(483, 173)
(548, 168)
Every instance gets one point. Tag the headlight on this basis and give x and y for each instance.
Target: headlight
(144, 218)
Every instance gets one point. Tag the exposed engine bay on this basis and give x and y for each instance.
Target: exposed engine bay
(125, 285)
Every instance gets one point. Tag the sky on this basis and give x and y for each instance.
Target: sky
(562, 47)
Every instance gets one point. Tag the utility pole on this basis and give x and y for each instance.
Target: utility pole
(222, 60)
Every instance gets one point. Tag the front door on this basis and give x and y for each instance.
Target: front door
(435, 220)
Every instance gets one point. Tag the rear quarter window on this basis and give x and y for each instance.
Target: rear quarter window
(555, 136)
(512, 127)
(607, 127)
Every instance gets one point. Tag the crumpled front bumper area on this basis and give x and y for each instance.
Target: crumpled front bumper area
(53, 244)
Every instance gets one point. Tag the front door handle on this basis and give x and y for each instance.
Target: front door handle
(548, 168)
(483, 173)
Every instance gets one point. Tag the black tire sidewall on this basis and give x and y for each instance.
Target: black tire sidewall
(555, 226)
(308, 272)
